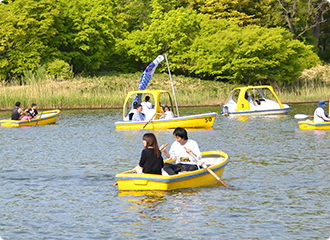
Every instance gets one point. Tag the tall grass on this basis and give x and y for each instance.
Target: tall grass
(312, 85)
(110, 91)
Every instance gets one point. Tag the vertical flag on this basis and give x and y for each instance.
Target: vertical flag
(147, 75)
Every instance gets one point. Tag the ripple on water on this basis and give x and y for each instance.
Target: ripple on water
(56, 182)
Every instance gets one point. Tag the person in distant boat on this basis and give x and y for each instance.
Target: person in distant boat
(167, 114)
(319, 115)
(248, 98)
(131, 113)
(17, 112)
(26, 117)
(33, 112)
(146, 104)
(180, 150)
(151, 160)
(138, 115)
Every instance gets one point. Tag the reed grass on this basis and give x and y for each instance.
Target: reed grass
(110, 91)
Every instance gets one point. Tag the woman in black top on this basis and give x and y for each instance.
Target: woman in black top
(151, 160)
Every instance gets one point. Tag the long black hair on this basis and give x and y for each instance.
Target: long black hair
(151, 140)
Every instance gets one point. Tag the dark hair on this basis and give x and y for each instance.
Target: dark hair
(135, 105)
(147, 98)
(17, 104)
(33, 104)
(181, 132)
(139, 105)
(151, 140)
(167, 107)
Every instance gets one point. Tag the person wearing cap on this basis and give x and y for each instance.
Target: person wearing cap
(17, 111)
(319, 115)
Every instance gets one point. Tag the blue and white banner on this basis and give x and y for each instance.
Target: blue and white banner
(147, 74)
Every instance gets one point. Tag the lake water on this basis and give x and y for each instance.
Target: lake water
(56, 181)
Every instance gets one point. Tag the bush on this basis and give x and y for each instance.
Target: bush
(60, 70)
(35, 75)
(313, 77)
(249, 54)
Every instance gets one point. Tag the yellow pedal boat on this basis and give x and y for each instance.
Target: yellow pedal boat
(154, 120)
(43, 118)
(311, 125)
(215, 160)
(253, 100)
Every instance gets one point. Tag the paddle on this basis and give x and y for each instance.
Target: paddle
(302, 116)
(208, 169)
(38, 119)
(149, 120)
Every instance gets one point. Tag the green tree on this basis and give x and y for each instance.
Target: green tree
(26, 31)
(249, 54)
(131, 14)
(305, 19)
(171, 32)
(87, 34)
(34, 33)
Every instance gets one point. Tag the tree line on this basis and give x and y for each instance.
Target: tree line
(243, 41)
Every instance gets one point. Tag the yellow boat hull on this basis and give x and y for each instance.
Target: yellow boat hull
(191, 121)
(200, 178)
(45, 118)
(310, 125)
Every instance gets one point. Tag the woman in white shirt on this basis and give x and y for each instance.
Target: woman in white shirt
(167, 114)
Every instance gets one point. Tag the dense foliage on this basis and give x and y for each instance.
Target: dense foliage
(247, 41)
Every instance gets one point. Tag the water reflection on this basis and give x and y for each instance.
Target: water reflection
(56, 181)
(143, 199)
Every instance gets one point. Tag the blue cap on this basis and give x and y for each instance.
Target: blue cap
(321, 104)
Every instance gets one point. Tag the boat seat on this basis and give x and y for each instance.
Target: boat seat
(130, 116)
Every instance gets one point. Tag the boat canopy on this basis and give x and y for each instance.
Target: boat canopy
(254, 97)
(158, 98)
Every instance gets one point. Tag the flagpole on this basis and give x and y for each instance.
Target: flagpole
(169, 72)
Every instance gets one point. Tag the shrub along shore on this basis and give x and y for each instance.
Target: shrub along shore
(110, 91)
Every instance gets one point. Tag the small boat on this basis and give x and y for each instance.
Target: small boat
(311, 125)
(215, 160)
(154, 120)
(253, 100)
(44, 118)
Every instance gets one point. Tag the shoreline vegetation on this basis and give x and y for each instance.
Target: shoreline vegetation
(109, 91)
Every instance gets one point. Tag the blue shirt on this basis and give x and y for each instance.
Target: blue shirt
(138, 117)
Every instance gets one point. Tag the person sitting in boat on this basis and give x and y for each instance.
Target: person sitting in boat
(33, 112)
(138, 115)
(146, 104)
(25, 117)
(248, 98)
(319, 115)
(180, 150)
(17, 112)
(131, 112)
(167, 113)
(151, 160)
